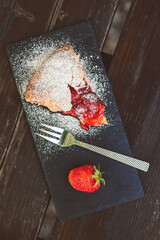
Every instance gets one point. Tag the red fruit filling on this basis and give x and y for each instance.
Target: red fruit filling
(87, 107)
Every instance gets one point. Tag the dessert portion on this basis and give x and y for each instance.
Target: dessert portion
(61, 85)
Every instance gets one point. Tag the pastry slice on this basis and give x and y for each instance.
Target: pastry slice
(61, 85)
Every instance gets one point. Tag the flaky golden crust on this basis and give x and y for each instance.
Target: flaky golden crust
(51, 104)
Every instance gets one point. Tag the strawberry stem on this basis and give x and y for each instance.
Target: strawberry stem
(98, 176)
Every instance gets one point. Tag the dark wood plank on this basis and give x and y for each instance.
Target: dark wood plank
(100, 13)
(24, 191)
(138, 57)
(134, 74)
(67, 230)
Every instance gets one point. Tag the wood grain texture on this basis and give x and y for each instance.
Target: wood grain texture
(99, 13)
(23, 193)
(134, 74)
(20, 192)
(138, 96)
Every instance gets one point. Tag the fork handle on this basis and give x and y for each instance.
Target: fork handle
(133, 162)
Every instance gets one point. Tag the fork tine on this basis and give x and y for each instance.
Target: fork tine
(51, 133)
(56, 141)
(60, 130)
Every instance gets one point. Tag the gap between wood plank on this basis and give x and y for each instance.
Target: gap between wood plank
(55, 15)
(109, 26)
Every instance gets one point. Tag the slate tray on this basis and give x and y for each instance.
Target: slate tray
(122, 182)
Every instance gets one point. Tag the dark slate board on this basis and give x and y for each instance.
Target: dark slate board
(122, 182)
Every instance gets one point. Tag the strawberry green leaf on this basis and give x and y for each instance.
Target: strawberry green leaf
(98, 176)
(97, 182)
(103, 181)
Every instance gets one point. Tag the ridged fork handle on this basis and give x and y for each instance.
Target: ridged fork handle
(133, 162)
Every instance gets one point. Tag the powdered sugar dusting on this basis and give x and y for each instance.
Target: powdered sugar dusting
(26, 57)
(53, 78)
(25, 62)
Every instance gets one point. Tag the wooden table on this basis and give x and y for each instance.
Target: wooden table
(134, 73)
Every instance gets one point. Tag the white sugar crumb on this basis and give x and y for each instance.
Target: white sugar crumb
(91, 97)
(27, 61)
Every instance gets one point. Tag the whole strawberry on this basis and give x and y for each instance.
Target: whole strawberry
(86, 178)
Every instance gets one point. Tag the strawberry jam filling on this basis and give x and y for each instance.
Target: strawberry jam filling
(87, 107)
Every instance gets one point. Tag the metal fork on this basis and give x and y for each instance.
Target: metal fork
(64, 138)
